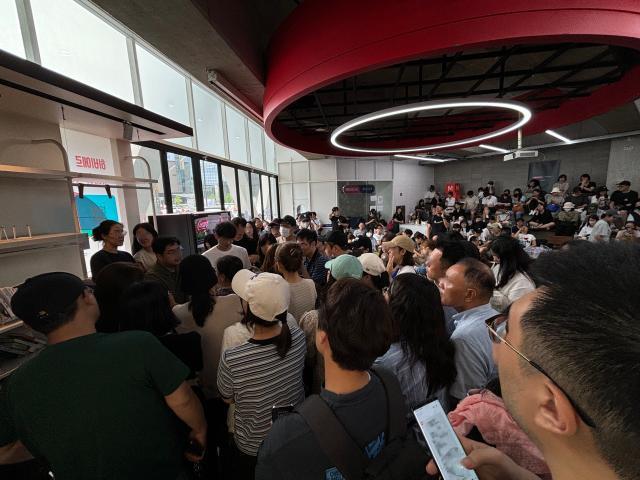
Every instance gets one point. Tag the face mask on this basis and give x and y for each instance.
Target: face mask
(284, 231)
(368, 234)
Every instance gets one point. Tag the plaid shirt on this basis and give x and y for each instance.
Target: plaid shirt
(315, 267)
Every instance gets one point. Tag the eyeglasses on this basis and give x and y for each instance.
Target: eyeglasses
(498, 329)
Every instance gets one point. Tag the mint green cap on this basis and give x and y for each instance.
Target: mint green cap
(345, 266)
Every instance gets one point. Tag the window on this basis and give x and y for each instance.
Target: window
(140, 171)
(274, 197)
(229, 190)
(266, 199)
(255, 145)
(10, 35)
(183, 196)
(208, 114)
(270, 154)
(245, 197)
(210, 185)
(256, 196)
(236, 135)
(164, 90)
(78, 44)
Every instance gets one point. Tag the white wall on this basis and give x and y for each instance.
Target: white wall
(624, 162)
(410, 183)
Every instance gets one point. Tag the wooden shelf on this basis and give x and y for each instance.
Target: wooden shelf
(16, 171)
(7, 327)
(40, 241)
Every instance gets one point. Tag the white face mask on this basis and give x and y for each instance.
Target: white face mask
(368, 234)
(284, 231)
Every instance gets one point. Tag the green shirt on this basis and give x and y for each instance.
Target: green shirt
(169, 279)
(93, 407)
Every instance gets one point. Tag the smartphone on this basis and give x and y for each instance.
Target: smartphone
(278, 410)
(443, 442)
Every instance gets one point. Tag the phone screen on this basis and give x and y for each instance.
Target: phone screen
(278, 410)
(443, 442)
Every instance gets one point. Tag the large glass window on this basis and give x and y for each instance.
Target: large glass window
(229, 190)
(245, 196)
(181, 179)
(274, 197)
(270, 154)
(255, 145)
(164, 90)
(152, 156)
(208, 113)
(236, 135)
(256, 195)
(266, 200)
(10, 36)
(210, 185)
(78, 44)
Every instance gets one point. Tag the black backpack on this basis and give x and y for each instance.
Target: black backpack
(402, 458)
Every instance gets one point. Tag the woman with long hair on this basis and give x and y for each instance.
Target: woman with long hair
(303, 290)
(252, 233)
(112, 281)
(111, 234)
(264, 243)
(511, 269)
(421, 355)
(142, 247)
(269, 262)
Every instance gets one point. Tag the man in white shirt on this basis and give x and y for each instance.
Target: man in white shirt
(524, 237)
(378, 234)
(489, 201)
(602, 229)
(225, 233)
(361, 230)
(470, 202)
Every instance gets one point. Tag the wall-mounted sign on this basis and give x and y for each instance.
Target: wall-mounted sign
(355, 189)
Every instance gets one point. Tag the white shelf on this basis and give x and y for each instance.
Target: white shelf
(17, 171)
(39, 241)
(7, 327)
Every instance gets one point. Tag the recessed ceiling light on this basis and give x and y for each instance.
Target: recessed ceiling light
(558, 136)
(429, 159)
(525, 116)
(495, 149)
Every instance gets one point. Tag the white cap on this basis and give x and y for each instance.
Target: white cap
(372, 264)
(267, 294)
(556, 190)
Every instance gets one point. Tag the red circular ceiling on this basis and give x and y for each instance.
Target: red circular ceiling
(334, 60)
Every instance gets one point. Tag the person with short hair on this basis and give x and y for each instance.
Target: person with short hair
(378, 233)
(357, 397)
(541, 218)
(587, 228)
(562, 185)
(288, 228)
(400, 251)
(249, 243)
(522, 234)
(111, 234)
(624, 197)
(630, 233)
(448, 252)
(336, 244)
(274, 228)
(303, 290)
(314, 261)
(120, 399)
(468, 286)
(226, 233)
(168, 254)
(361, 230)
(586, 186)
(228, 266)
(470, 203)
(142, 248)
(338, 221)
(601, 231)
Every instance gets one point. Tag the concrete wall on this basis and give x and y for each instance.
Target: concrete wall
(591, 158)
(624, 162)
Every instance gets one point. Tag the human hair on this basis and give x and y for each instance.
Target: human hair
(407, 259)
(289, 256)
(283, 342)
(586, 175)
(226, 230)
(145, 306)
(288, 220)
(379, 281)
(408, 232)
(357, 321)
(513, 258)
(265, 239)
(418, 324)
(161, 243)
(229, 265)
(103, 229)
(479, 276)
(111, 282)
(254, 230)
(470, 193)
(453, 249)
(269, 263)
(135, 246)
(562, 176)
(197, 278)
(604, 333)
(239, 222)
(308, 235)
(535, 181)
(210, 241)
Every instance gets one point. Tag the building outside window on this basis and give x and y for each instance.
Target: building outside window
(183, 195)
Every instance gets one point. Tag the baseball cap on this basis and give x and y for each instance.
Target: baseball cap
(338, 238)
(555, 190)
(372, 264)
(568, 205)
(344, 266)
(611, 213)
(41, 299)
(401, 241)
(267, 294)
(625, 182)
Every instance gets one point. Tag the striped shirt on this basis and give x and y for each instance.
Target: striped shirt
(256, 378)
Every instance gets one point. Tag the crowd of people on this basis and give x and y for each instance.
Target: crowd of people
(244, 361)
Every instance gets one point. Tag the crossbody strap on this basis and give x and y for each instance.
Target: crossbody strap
(396, 407)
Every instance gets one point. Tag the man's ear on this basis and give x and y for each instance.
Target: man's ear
(553, 410)
(322, 341)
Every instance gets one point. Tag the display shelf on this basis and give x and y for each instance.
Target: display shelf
(39, 241)
(7, 367)
(16, 171)
(7, 327)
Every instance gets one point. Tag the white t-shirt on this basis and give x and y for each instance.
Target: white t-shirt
(214, 254)
(450, 202)
(519, 285)
(303, 297)
(601, 232)
(489, 201)
(146, 259)
(526, 239)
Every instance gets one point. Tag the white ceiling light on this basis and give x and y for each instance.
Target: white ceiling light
(430, 159)
(525, 116)
(495, 149)
(558, 136)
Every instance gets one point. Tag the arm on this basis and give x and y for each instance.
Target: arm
(14, 452)
(188, 408)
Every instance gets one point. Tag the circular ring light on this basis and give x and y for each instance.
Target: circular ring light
(433, 105)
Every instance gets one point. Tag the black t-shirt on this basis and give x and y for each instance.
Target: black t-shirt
(506, 199)
(437, 225)
(542, 218)
(101, 259)
(248, 243)
(291, 451)
(625, 199)
(578, 201)
(591, 185)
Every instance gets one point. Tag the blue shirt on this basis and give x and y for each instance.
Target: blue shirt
(315, 267)
(474, 357)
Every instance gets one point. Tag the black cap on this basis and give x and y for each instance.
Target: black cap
(42, 298)
(338, 238)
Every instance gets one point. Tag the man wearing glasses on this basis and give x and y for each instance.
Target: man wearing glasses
(570, 375)
(168, 254)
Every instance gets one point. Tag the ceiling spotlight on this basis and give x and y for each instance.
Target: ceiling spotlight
(495, 149)
(558, 136)
(429, 159)
(523, 110)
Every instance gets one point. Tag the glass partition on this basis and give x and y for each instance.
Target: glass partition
(210, 185)
(229, 190)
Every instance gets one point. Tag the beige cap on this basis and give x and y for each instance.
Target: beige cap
(401, 241)
(372, 264)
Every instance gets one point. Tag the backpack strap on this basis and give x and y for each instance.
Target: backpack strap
(396, 407)
(334, 440)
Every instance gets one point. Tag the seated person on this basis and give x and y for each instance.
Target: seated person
(524, 237)
(541, 218)
(568, 220)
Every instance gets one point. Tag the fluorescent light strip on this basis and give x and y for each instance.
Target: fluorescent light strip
(558, 136)
(429, 159)
(433, 105)
(495, 149)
